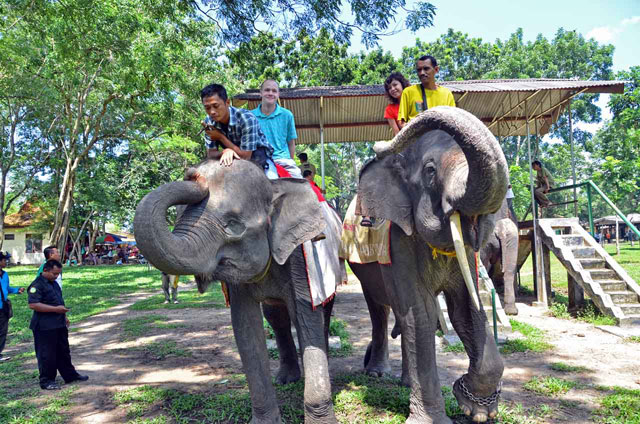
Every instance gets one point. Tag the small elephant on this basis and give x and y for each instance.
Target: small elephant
(500, 257)
(243, 229)
(440, 182)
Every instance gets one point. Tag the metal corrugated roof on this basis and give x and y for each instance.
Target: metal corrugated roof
(355, 113)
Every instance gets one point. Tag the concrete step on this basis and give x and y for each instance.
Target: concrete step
(630, 308)
(571, 240)
(603, 274)
(585, 252)
(612, 285)
(630, 320)
(592, 263)
(621, 297)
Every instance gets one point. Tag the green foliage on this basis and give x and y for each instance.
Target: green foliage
(633, 339)
(621, 406)
(590, 314)
(212, 298)
(455, 348)
(139, 400)
(562, 367)
(160, 350)
(533, 340)
(549, 386)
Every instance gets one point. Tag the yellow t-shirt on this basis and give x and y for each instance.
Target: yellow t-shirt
(411, 101)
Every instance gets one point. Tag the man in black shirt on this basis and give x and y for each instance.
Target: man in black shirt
(49, 325)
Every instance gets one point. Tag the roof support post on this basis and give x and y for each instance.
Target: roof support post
(573, 162)
(538, 274)
(322, 144)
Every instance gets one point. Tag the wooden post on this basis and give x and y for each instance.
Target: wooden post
(546, 264)
(617, 237)
(576, 295)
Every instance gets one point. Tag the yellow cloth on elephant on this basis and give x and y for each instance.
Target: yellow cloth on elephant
(364, 245)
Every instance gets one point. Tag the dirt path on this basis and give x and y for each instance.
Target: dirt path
(100, 350)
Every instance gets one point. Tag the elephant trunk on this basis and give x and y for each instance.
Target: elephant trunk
(483, 191)
(176, 253)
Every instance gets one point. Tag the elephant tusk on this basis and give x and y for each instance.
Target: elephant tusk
(461, 254)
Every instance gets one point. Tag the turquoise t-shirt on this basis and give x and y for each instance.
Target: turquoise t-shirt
(279, 127)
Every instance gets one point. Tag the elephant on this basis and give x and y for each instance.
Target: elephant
(243, 229)
(440, 182)
(500, 257)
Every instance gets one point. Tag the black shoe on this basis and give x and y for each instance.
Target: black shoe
(50, 386)
(78, 378)
(367, 221)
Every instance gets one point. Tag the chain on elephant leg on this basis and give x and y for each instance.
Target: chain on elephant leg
(480, 408)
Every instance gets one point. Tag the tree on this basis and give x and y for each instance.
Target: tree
(239, 21)
(105, 66)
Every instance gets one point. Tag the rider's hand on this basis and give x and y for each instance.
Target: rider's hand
(228, 155)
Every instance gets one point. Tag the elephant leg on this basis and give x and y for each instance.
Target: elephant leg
(278, 318)
(311, 329)
(509, 244)
(480, 399)
(246, 318)
(376, 360)
(416, 310)
(328, 309)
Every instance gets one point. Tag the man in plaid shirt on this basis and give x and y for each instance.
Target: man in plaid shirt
(237, 131)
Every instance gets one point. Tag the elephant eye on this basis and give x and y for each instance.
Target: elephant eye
(234, 228)
(430, 168)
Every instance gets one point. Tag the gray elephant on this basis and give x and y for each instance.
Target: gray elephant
(440, 182)
(500, 257)
(241, 228)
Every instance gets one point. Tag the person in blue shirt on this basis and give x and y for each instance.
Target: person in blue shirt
(278, 125)
(236, 131)
(5, 290)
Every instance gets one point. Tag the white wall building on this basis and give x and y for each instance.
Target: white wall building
(22, 240)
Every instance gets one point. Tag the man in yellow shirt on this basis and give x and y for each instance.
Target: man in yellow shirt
(425, 95)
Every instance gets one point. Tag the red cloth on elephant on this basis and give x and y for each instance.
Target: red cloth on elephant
(283, 173)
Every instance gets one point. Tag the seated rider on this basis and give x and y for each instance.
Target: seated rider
(237, 131)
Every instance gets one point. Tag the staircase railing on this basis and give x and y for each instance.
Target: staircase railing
(591, 186)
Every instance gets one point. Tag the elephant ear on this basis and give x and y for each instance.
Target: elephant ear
(296, 216)
(382, 192)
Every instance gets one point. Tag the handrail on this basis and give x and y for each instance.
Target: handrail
(591, 185)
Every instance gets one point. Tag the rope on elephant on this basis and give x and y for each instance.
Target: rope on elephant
(435, 251)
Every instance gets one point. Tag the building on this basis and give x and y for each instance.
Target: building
(22, 238)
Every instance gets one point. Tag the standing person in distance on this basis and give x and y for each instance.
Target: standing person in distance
(51, 252)
(278, 126)
(5, 290)
(49, 324)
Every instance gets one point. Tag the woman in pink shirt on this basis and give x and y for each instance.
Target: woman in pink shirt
(393, 86)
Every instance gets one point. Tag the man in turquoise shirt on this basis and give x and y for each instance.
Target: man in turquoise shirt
(278, 125)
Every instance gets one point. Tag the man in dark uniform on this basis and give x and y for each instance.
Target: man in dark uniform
(49, 325)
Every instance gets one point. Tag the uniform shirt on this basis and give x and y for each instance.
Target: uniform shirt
(48, 293)
(5, 286)
(411, 100)
(541, 173)
(279, 127)
(243, 130)
(58, 280)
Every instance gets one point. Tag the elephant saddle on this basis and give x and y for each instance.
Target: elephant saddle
(364, 245)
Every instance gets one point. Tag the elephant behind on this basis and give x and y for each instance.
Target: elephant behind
(440, 182)
(243, 229)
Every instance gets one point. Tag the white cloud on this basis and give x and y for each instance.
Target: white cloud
(603, 34)
(631, 21)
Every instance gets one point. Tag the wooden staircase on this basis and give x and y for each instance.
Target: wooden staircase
(608, 285)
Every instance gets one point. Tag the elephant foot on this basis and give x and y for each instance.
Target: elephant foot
(510, 309)
(479, 408)
(375, 369)
(288, 374)
(273, 418)
(404, 380)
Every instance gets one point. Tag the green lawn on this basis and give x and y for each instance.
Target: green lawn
(87, 290)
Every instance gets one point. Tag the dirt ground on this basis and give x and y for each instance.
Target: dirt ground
(98, 349)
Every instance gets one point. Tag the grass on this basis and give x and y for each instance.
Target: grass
(549, 386)
(139, 326)
(533, 339)
(515, 413)
(455, 348)
(620, 406)
(633, 339)
(337, 327)
(562, 367)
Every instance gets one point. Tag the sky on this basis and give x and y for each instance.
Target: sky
(615, 22)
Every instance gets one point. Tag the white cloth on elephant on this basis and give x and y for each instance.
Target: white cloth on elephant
(325, 270)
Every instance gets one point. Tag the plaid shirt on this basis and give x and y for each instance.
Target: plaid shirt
(243, 130)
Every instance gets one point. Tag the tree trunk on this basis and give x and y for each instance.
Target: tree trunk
(1, 227)
(63, 211)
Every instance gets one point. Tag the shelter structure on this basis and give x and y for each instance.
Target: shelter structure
(22, 238)
(509, 107)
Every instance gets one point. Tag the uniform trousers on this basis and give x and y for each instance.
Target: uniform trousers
(53, 354)
(4, 329)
